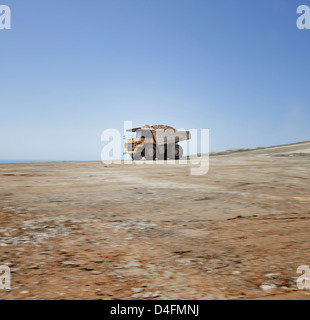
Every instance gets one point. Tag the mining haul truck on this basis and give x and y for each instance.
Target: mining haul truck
(153, 142)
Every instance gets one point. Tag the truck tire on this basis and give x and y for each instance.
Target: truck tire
(150, 152)
(176, 152)
(136, 156)
(161, 153)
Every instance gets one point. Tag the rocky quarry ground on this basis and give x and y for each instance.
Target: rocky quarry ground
(88, 230)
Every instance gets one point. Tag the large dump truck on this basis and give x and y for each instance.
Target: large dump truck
(156, 141)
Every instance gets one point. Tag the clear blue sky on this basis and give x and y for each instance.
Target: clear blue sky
(70, 69)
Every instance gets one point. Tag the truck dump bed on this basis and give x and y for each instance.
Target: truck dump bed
(169, 136)
(164, 134)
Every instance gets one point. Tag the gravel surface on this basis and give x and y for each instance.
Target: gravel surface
(87, 230)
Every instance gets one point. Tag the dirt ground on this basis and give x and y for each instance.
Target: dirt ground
(88, 230)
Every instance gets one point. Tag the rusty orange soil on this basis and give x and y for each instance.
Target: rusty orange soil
(86, 230)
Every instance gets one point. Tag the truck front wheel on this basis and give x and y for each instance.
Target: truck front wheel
(150, 152)
(176, 152)
(161, 153)
(136, 156)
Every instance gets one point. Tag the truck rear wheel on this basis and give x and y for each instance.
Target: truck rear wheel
(176, 152)
(150, 152)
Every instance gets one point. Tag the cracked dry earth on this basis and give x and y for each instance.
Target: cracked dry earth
(86, 230)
